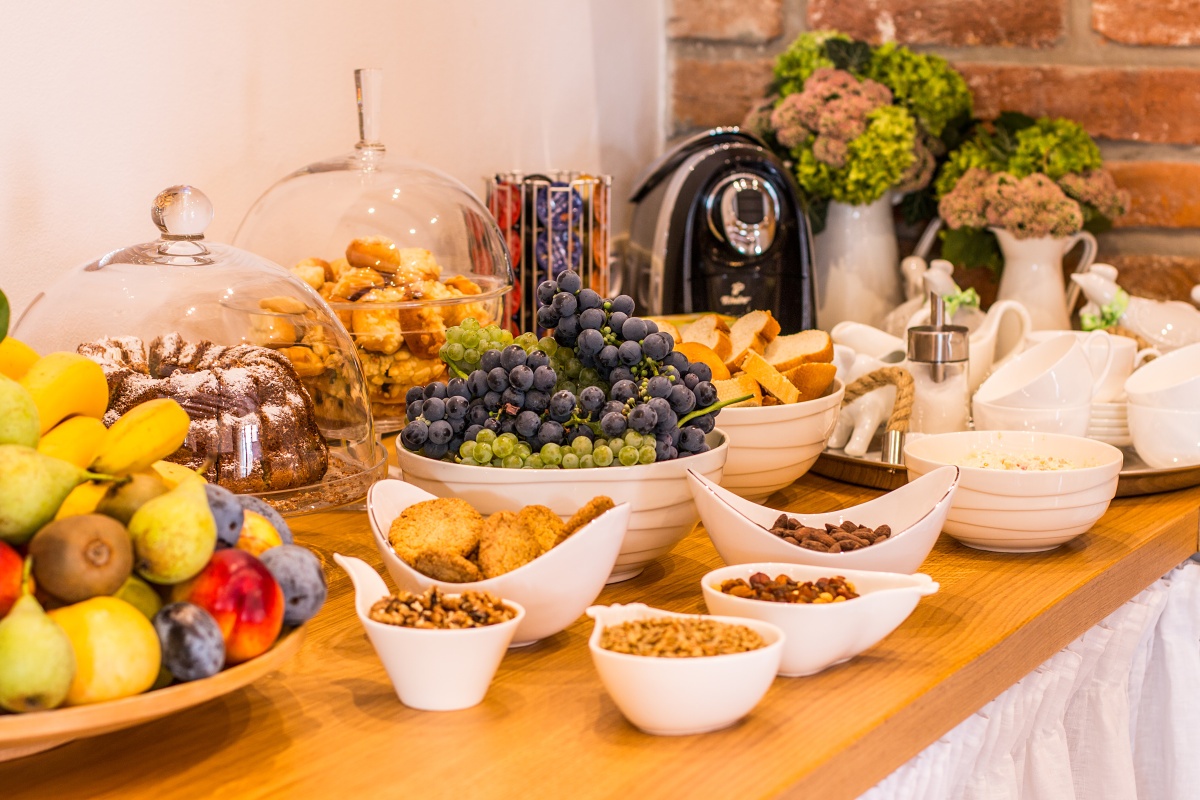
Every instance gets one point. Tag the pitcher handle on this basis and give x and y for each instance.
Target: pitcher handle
(1088, 342)
(1002, 308)
(925, 243)
(1090, 249)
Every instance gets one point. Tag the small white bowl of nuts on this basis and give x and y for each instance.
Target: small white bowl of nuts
(826, 617)
(439, 650)
(676, 674)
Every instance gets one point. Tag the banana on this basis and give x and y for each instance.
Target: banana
(63, 384)
(16, 358)
(75, 439)
(83, 499)
(173, 474)
(144, 434)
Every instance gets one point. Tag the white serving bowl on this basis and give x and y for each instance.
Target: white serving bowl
(1071, 420)
(771, 446)
(662, 509)
(1171, 381)
(430, 669)
(1018, 511)
(817, 636)
(554, 588)
(678, 696)
(740, 530)
(1165, 438)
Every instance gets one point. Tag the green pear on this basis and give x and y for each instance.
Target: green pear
(37, 662)
(174, 534)
(19, 422)
(32, 487)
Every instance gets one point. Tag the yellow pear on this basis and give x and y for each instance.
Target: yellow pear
(117, 653)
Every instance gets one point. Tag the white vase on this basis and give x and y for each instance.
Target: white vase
(857, 264)
(1033, 275)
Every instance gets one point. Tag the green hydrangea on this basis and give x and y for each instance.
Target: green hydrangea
(804, 57)
(875, 161)
(971, 154)
(924, 84)
(1053, 147)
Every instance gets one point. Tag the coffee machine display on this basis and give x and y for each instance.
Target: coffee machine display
(718, 226)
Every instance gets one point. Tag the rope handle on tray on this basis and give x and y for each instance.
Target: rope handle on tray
(886, 376)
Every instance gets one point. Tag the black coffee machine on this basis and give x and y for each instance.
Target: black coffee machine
(718, 226)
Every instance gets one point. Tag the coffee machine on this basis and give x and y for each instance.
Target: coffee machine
(718, 227)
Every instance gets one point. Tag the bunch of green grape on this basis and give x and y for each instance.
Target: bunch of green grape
(505, 450)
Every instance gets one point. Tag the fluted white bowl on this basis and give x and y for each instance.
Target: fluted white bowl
(772, 446)
(662, 510)
(740, 529)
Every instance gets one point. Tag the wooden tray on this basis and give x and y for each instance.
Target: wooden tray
(1137, 478)
(26, 734)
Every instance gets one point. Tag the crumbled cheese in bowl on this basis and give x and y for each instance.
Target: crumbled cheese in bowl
(994, 459)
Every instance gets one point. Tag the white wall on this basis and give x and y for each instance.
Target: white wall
(102, 105)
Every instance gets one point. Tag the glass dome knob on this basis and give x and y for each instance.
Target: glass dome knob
(182, 212)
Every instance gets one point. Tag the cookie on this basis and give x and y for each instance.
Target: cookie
(505, 544)
(592, 509)
(447, 567)
(545, 525)
(445, 524)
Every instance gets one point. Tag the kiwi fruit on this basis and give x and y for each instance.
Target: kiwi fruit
(126, 497)
(75, 558)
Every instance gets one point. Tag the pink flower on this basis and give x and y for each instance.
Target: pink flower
(830, 151)
(1098, 189)
(965, 205)
(920, 173)
(1030, 207)
(758, 120)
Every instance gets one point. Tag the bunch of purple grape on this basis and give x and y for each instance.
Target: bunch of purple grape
(608, 389)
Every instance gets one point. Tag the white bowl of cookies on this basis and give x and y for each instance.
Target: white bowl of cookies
(554, 569)
(777, 434)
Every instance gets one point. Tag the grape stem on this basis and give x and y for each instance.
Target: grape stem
(458, 373)
(699, 412)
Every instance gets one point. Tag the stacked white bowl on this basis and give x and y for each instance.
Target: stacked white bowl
(1164, 409)
(1018, 510)
(1109, 423)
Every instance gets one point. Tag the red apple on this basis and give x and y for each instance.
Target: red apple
(243, 597)
(10, 577)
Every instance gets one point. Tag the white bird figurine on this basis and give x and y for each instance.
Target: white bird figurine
(1166, 325)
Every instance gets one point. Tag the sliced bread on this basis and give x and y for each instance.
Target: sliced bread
(751, 333)
(771, 379)
(712, 332)
(739, 386)
(812, 379)
(794, 349)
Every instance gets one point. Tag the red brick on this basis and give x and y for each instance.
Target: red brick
(947, 22)
(1148, 22)
(726, 20)
(1148, 104)
(1163, 194)
(711, 93)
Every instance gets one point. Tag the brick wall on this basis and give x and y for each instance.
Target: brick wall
(1127, 70)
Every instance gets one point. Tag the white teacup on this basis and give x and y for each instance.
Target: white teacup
(1053, 374)
(1125, 359)
(1165, 437)
(1172, 381)
(1069, 420)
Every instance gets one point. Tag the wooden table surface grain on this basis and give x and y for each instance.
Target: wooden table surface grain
(329, 723)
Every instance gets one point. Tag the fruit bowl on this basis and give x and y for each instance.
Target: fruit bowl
(555, 588)
(26, 734)
(663, 511)
(770, 447)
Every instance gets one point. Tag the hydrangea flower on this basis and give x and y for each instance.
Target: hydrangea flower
(1031, 207)
(1097, 188)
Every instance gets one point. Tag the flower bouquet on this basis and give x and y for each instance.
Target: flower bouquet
(857, 121)
(1030, 178)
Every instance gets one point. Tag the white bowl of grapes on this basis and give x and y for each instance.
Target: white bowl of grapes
(603, 405)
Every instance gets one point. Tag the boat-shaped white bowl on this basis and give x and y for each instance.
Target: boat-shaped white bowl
(678, 696)
(1020, 511)
(740, 529)
(817, 636)
(662, 510)
(772, 446)
(554, 588)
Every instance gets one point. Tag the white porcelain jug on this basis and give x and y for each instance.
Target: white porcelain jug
(994, 335)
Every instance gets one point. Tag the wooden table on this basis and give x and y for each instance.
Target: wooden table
(329, 724)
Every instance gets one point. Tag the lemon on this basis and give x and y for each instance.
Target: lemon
(116, 649)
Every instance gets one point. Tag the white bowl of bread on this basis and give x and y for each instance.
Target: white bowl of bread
(777, 434)
(554, 569)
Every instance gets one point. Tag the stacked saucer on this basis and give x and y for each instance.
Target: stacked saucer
(1109, 423)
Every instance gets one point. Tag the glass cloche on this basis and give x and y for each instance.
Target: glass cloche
(400, 251)
(269, 377)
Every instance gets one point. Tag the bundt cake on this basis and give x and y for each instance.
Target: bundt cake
(252, 419)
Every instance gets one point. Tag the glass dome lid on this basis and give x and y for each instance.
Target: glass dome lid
(411, 244)
(266, 372)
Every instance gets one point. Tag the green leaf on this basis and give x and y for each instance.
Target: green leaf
(920, 206)
(1013, 121)
(972, 247)
(852, 56)
(3, 316)
(1093, 221)
(817, 209)
(958, 130)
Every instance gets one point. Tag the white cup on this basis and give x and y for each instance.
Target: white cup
(1069, 420)
(1053, 374)
(1110, 383)
(1165, 437)
(1172, 381)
